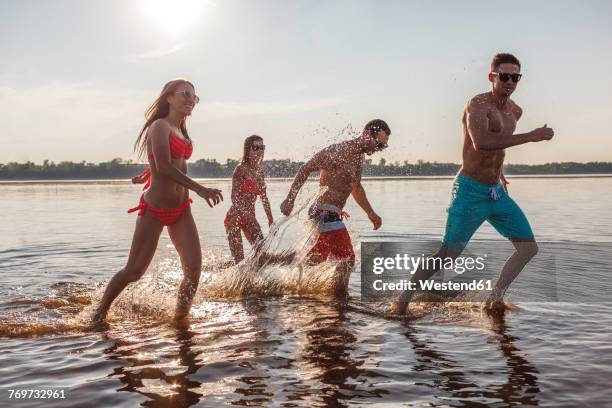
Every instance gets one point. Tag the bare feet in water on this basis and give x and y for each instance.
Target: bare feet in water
(495, 307)
(181, 322)
(399, 308)
(98, 322)
(98, 316)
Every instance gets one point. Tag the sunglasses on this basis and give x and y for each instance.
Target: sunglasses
(258, 147)
(504, 77)
(381, 146)
(189, 95)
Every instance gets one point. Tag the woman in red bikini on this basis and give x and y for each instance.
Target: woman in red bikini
(166, 202)
(247, 183)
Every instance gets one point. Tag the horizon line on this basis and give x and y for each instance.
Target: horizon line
(120, 160)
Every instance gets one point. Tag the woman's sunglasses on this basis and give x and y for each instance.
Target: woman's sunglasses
(504, 77)
(189, 95)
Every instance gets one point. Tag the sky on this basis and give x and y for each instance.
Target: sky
(77, 76)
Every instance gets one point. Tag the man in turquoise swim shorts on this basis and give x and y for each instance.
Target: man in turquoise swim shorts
(479, 191)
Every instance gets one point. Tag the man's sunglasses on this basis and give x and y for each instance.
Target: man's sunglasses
(379, 145)
(504, 77)
(258, 147)
(189, 95)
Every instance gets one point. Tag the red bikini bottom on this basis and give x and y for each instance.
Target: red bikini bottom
(167, 216)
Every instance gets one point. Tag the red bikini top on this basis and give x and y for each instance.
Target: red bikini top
(179, 147)
(250, 187)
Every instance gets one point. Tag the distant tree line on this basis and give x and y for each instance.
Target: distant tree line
(211, 168)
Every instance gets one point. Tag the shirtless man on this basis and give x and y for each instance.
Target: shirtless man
(340, 167)
(479, 191)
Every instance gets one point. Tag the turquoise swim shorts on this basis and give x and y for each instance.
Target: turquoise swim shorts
(472, 203)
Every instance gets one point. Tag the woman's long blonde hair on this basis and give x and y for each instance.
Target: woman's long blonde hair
(160, 108)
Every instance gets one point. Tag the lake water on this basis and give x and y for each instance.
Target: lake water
(60, 243)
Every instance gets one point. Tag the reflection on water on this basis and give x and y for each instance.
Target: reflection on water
(274, 347)
(521, 387)
(251, 360)
(161, 375)
(255, 359)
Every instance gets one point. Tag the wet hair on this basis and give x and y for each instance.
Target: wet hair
(504, 58)
(376, 125)
(248, 142)
(160, 108)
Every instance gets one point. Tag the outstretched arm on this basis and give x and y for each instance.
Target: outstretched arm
(483, 139)
(314, 164)
(360, 197)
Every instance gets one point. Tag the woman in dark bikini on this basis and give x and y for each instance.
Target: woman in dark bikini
(166, 202)
(247, 183)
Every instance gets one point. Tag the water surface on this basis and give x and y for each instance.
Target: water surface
(59, 243)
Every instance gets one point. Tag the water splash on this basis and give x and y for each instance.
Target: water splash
(277, 265)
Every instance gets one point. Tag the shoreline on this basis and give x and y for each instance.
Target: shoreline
(286, 179)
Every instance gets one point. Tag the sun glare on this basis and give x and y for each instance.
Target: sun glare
(174, 16)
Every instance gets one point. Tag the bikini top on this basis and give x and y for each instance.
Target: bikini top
(250, 187)
(179, 147)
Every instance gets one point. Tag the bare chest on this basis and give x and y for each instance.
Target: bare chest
(342, 175)
(501, 121)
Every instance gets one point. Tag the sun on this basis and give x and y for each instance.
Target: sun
(173, 16)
